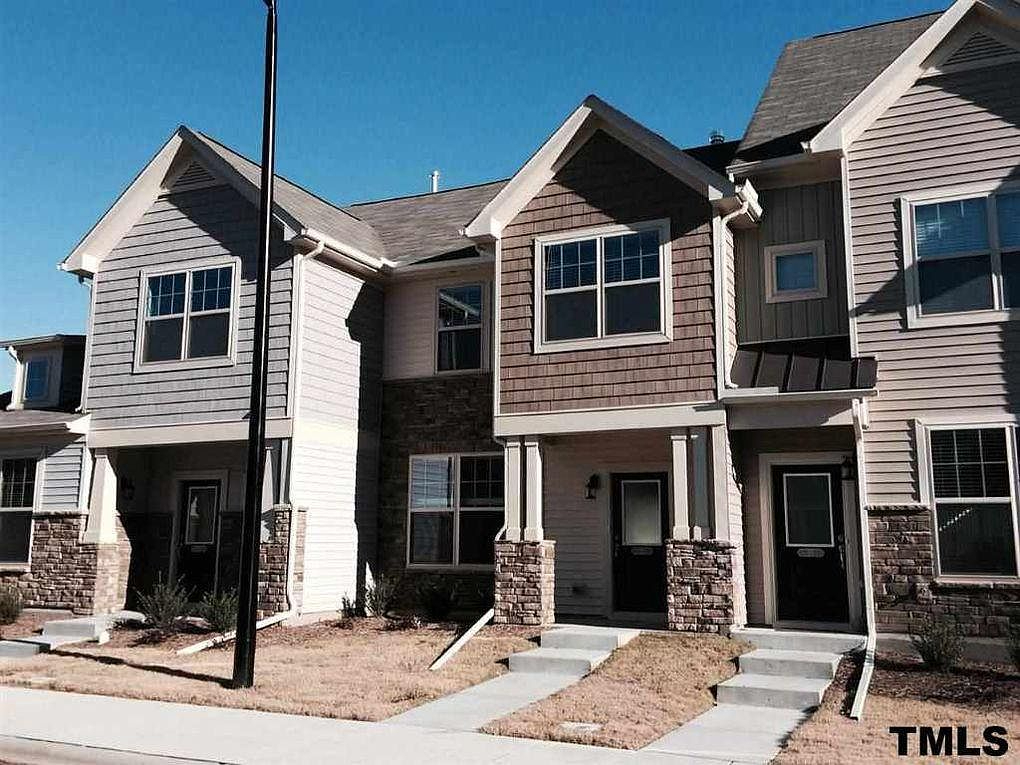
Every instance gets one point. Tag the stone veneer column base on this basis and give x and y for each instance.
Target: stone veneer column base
(274, 557)
(699, 586)
(525, 580)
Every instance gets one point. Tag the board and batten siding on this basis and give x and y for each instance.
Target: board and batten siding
(793, 214)
(607, 183)
(334, 457)
(411, 320)
(179, 228)
(946, 131)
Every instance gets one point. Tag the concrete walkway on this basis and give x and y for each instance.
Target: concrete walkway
(113, 726)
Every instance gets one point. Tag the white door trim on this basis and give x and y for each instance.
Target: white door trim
(765, 464)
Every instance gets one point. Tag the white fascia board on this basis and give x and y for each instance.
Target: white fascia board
(158, 435)
(897, 78)
(772, 395)
(360, 257)
(78, 426)
(594, 114)
(124, 212)
(601, 420)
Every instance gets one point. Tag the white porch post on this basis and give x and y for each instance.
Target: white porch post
(679, 509)
(720, 497)
(512, 490)
(101, 527)
(533, 491)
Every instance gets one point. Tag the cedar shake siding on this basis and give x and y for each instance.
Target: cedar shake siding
(792, 215)
(946, 131)
(605, 183)
(178, 229)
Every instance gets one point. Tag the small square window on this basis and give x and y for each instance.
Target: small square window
(795, 272)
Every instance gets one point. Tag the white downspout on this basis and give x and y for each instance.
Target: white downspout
(723, 376)
(861, 694)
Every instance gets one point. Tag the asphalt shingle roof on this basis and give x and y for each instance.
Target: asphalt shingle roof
(816, 77)
(427, 227)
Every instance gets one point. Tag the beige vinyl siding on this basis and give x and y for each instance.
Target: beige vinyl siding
(582, 527)
(335, 445)
(946, 131)
(178, 229)
(792, 215)
(734, 505)
(411, 307)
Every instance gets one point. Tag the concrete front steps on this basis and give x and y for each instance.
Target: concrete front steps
(777, 686)
(60, 632)
(571, 650)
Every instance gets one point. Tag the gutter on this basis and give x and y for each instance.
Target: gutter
(358, 256)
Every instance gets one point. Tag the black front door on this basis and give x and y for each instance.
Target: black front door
(810, 543)
(199, 522)
(639, 553)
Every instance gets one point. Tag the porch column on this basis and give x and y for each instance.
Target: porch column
(533, 491)
(720, 496)
(512, 490)
(101, 527)
(679, 509)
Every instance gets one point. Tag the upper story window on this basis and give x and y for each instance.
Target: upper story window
(962, 257)
(17, 499)
(973, 482)
(603, 287)
(37, 379)
(795, 272)
(459, 328)
(455, 509)
(188, 315)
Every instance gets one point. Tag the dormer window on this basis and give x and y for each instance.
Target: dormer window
(187, 315)
(37, 380)
(605, 287)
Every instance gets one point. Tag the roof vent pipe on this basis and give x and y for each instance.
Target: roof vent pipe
(716, 137)
(434, 181)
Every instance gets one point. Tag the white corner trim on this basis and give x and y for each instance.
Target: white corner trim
(773, 252)
(497, 328)
(896, 79)
(848, 253)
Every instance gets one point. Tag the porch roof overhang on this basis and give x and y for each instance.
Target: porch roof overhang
(38, 422)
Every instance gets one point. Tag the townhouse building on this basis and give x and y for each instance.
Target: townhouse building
(766, 382)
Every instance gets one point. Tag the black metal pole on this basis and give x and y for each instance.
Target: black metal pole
(248, 586)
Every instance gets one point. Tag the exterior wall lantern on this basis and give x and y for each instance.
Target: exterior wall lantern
(592, 486)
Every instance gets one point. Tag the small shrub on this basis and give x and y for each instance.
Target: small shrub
(220, 610)
(401, 623)
(381, 596)
(437, 596)
(162, 607)
(349, 609)
(1014, 645)
(939, 642)
(11, 604)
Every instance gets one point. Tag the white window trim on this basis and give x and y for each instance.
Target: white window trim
(926, 491)
(484, 326)
(39, 455)
(786, 513)
(665, 332)
(455, 510)
(52, 397)
(821, 289)
(188, 268)
(997, 313)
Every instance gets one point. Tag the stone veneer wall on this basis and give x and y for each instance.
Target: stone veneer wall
(525, 582)
(906, 593)
(274, 555)
(699, 586)
(433, 415)
(67, 573)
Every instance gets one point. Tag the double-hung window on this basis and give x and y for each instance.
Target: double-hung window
(17, 499)
(604, 287)
(459, 328)
(187, 314)
(974, 486)
(455, 509)
(963, 256)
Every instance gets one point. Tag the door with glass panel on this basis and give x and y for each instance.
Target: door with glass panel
(639, 553)
(196, 551)
(810, 544)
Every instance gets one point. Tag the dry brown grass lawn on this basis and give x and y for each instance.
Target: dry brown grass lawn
(645, 689)
(904, 693)
(30, 622)
(362, 673)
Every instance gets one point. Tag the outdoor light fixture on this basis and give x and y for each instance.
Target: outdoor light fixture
(846, 469)
(592, 486)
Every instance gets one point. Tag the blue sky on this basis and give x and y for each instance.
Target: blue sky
(371, 97)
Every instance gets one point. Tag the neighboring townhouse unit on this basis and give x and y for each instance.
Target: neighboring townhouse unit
(769, 381)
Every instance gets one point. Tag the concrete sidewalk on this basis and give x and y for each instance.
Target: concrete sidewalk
(214, 734)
